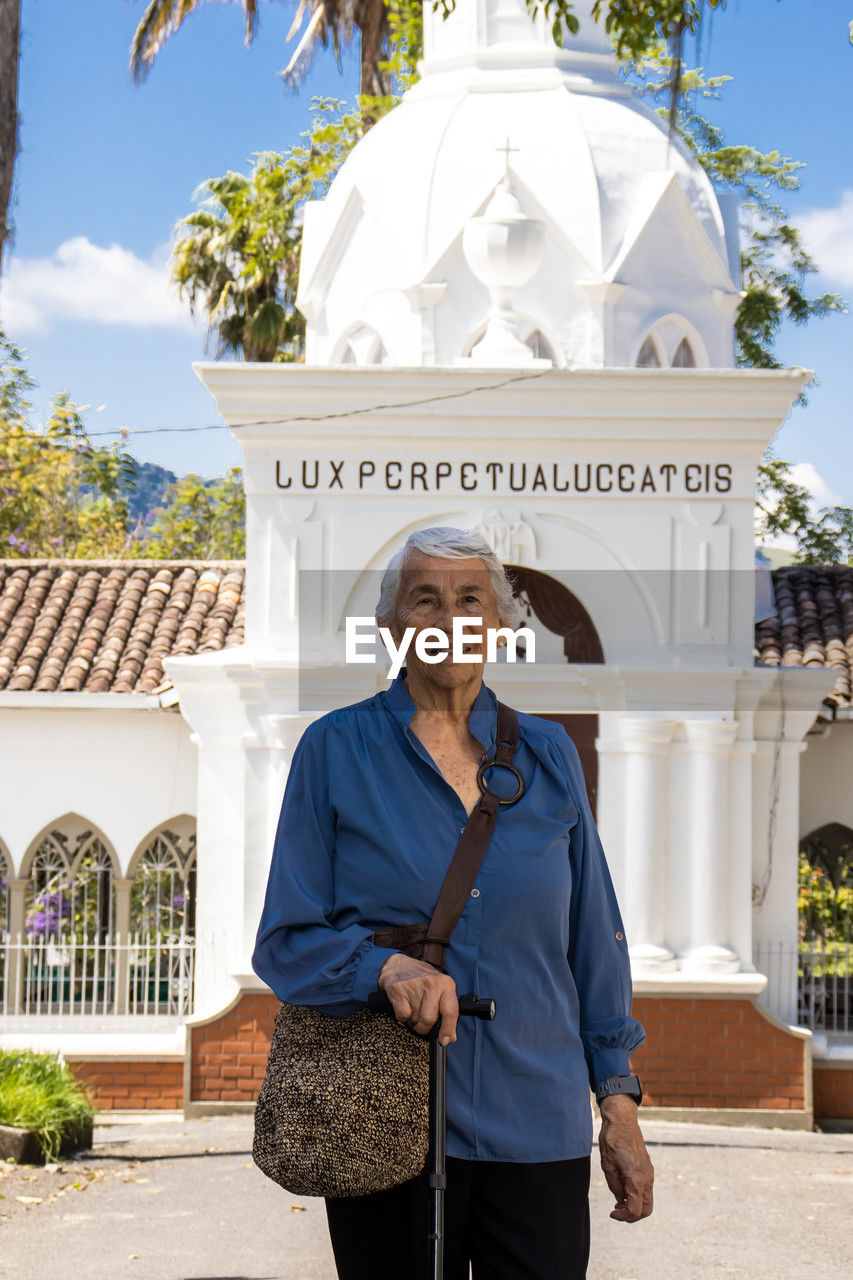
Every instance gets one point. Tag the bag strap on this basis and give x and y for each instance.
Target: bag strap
(474, 841)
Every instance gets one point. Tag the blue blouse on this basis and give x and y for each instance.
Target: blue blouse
(367, 829)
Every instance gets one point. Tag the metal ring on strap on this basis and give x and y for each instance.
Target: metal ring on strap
(496, 764)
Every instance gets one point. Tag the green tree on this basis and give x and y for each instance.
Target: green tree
(15, 383)
(826, 909)
(636, 26)
(246, 280)
(335, 20)
(774, 261)
(784, 507)
(775, 265)
(237, 257)
(199, 521)
(63, 497)
(59, 494)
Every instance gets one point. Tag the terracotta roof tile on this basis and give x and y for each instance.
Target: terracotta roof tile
(106, 625)
(813, 625)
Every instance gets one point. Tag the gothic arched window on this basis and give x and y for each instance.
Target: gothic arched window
(163, 896)
(684, 357)
(364, 346)
(671, 343)
(540, 346)
(825, 928)
(648, 357)
(70, 886)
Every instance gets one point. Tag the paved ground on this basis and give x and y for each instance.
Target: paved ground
(182, 1200)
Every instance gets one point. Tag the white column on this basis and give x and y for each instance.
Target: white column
(123, 890)
(221, 855)
(709, 744)
(740, 862)
(17, 889)
(646, 814)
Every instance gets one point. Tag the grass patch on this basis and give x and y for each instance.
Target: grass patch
(38, 1092)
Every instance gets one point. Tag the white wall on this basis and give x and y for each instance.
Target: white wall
(826, 779)
(124, 771)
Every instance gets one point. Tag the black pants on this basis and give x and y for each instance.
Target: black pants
(511, 1221)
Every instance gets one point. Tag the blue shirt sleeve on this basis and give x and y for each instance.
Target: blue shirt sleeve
(598, 950)
(298, 952)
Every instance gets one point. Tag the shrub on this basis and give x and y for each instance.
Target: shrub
(38, 1092)
(826, 908)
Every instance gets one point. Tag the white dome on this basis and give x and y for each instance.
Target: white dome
(635, 236)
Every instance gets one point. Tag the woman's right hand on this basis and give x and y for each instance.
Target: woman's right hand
(420, 995)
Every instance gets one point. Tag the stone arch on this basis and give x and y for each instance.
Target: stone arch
(360, 344)
(70, 867)
(829, 849)
(163, 875)
(671, 342)
(539, 344)
(825, 926)
(685, 357)
(649, 356)
(532, 332)
(560, 611)
(553, 539)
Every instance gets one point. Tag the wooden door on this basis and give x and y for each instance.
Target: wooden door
(582, 728)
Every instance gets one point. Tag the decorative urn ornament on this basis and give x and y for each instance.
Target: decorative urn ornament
(503, 248)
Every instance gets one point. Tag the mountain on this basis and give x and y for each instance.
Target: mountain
(151, 483)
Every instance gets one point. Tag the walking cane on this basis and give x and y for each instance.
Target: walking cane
(469, 1006)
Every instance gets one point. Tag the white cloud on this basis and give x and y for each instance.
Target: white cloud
(821, 494)
(828, 235)
(84, 281)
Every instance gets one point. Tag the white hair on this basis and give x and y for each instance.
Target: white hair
(447, 544)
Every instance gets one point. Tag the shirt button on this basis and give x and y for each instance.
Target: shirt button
(475, 893)
(619, 937)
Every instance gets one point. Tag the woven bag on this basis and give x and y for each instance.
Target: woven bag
(343, 1109)
(375, 1073)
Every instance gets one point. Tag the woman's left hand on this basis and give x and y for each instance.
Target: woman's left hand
(629, 1171)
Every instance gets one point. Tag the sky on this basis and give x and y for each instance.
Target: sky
(106, 169)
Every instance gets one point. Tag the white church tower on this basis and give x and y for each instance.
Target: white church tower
(520, 300)
(507, 149)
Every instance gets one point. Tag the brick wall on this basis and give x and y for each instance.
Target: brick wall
(133, 1083)
(717, 1052)
(700, 1052)
(229, 1054)
(833, 1092)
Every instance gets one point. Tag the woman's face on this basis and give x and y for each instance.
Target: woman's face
(432, 592)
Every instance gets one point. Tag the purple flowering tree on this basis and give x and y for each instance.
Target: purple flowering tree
(49, 909)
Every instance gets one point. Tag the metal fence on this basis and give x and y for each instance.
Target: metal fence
(810, 981)
(146, 974)
(812, 986)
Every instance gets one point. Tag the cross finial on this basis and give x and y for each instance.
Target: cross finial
(506, 148)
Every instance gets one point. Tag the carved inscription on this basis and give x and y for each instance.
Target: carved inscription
(389, 476)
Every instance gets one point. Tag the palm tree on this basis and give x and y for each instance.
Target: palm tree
(327, 19)
(237, 259)
(10, 40)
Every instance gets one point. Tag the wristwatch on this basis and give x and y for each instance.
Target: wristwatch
(620, 1084)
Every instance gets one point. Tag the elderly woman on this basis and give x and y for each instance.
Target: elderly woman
(375, 801)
